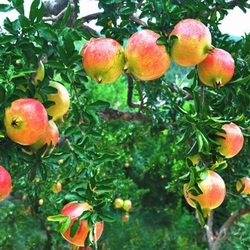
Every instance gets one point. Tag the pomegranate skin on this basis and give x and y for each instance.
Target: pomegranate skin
(103, 59)
(214, 192)
(192, 43)
(145, 59)
(5, 183)
(217, 69)
(232, 142)
(243, 182)
(74, 210)
(25, 121)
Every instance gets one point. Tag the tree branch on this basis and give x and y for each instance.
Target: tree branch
(209, 229)
(137, 20)
(112, 114)
(215, 244)
(130, 94)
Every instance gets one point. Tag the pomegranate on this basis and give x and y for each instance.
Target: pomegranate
(244, 184)
(61, 100)
(74, 210)
(145, 59)
(127, 204)
(118, 203)
(125, 217)
(5, 183)
(103, 59)
(57, 187)
(191, 42)
(217, 69)
(25, 121)
(232, 142)
(49, 137)
(213, 193)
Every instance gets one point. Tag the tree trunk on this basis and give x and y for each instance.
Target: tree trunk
(215, 243)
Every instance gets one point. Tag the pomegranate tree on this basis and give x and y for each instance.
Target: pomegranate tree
(213, 193)
(217, 68)
(190, 42)
(145, 59)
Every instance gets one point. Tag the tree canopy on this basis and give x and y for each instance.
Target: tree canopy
(130, 139)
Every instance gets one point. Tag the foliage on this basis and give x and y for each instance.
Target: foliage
(183, 117)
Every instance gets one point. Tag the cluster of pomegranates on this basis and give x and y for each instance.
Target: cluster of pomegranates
(29, 123)
(190, 44)
(70, 216)
(125, 205)
(211, 184)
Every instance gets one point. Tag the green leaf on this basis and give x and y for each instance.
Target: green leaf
(187, 134)
(219, 165)
(241, 80)
(199, 212)
(5, 7)
(55, 64)
(203, 175)
(85, 215)
(162, 40)
(98, 105)
(45, 31)
(64, 225)
(58, 217)
(62, 54)
(180, 110)
(74, 196)
(65, 17)
(203, 144)
(75, 226)
(36, 11)
(24, 21)
(106, 218)
(48, 104)
(19, 6)
(50, 90)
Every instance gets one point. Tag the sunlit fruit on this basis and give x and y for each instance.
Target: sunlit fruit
(145, 59)
(5, 183)
(40, 202)
(194, 158)
(190, 42)
(127, 204)
(243, 185)
(57, 187)
(103, 59)
(61, 100)
(74, 210)
(125, 217)
(216, 69)
(25, 121)
(213, 193)
(49, 137)
(231, 142)
(127, 165)
(40, 73)
(118, 203)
